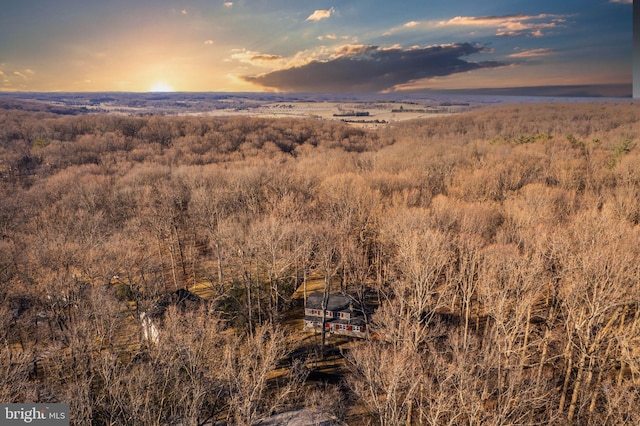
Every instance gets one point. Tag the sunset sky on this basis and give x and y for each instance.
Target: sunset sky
(301, 46)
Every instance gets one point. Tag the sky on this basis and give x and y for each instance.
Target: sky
(346, 46)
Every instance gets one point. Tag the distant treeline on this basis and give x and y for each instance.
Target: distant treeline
(352, 114)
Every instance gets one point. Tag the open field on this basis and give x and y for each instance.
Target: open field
(361, 111)
(362, 114)
(500, 245)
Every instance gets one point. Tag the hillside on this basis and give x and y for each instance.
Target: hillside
(500, 245)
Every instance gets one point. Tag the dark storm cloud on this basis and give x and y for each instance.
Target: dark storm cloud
(374, 69)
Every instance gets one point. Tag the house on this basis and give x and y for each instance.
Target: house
(151, 319)
(342, 315)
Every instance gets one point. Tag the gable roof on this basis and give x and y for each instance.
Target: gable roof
(336, 302)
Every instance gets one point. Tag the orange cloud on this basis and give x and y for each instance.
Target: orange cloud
(256, 58)
(532, 53)
(353, 49)
(510, 25)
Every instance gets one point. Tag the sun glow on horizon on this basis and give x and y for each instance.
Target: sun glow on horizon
(161, 86)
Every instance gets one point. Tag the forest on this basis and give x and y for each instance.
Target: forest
(500, 247)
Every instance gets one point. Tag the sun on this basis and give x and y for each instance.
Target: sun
(160, 86)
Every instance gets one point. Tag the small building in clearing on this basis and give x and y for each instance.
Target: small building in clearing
(342, 315)
(152, 318)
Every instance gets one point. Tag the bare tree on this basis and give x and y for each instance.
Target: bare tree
(597, 289)
(386, 378)
(250, 365)
(421, 259)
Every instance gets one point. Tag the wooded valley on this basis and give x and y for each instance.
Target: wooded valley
(500, 246)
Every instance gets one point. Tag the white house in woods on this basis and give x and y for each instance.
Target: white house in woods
(149, 328)
(151, 319)
(342, 315)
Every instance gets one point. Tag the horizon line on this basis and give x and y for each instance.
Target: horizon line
(625, 90)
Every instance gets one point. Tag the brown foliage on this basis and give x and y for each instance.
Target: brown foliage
(500, 246)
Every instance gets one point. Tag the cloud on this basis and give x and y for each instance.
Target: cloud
(510, 25)
(257, 58)
(363, 68)
(321, 14)
(407, 26)
(228, 4)
(353, 50)
(208, 42)
(333, 37)
(532, 53)
(621, 1)
(242, 55)
(184, 11)
(263, 57)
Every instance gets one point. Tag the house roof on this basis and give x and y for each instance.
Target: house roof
(301, 417)
(336, 302)
(182, 298)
